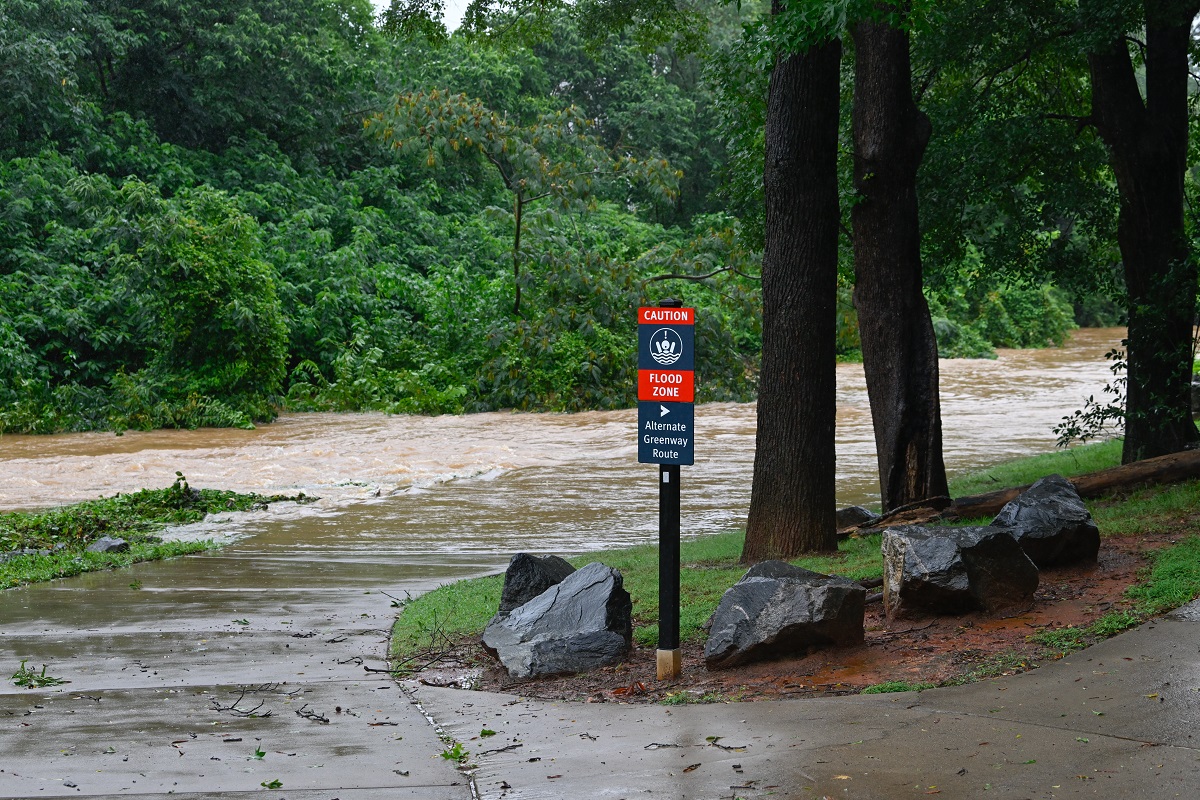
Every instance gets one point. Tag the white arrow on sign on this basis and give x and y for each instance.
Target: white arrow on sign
(663, 410)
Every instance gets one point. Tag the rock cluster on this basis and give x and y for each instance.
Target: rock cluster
(583, 622)
(953, 570)
(780, 610)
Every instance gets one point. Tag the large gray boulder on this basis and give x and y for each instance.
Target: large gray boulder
(778, 610)
(1051, 523)
(954, 570)
(108, 544)
(584, 622)
(528, 576)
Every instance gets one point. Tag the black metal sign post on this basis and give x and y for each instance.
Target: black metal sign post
(666, 422)
(670, 663)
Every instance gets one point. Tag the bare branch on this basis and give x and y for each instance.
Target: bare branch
(706, 276)
(312, 715)
(234, 708)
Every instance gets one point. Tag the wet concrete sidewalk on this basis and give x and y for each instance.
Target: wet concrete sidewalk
(177, 687)
(1116, 720)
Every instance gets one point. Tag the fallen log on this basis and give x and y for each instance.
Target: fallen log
(1171, 468)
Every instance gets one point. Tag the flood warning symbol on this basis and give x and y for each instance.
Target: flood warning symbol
(666, 346)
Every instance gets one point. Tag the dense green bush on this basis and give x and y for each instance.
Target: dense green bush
(195, 230)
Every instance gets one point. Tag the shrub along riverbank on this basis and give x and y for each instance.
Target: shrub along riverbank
(460, 610)
(43, 545)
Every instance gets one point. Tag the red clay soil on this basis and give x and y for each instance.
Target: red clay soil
(916, 651)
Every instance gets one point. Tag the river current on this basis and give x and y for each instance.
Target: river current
(500, 482)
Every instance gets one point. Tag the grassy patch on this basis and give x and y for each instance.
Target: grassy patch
(1069, 462)
(52, 543)
(710, 566)
(1155, 509)
(896, 686)
(1172, 580)
(124, 515)
(65, 563)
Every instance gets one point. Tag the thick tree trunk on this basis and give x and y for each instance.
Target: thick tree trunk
(898, 344)
(792, 502)
(1148, 142)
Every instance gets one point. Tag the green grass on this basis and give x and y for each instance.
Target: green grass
(1172, 580)
(709, 567)
(65, 563)
(896, 686)
(1069, 462)
(66, 531)
(124, 515)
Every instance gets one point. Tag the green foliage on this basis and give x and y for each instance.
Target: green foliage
(28, 678)
(456, 753)
(131, 516)
(1098, 419)
(888, 687)
(36, 568)
(196, 231)
(219, 325)
(980, 311)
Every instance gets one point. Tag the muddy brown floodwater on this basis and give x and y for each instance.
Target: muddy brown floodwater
(481, 486)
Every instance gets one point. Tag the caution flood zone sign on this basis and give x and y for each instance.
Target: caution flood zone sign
(666, 385)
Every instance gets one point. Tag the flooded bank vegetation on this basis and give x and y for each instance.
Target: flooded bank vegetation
(198, 229)
(42, 545)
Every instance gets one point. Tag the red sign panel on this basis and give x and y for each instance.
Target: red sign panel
(655, 315)
(667, 385)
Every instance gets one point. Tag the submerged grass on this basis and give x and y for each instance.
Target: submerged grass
(35, 568)
(43, 545)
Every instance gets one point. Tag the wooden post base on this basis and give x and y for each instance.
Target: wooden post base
(670, 664)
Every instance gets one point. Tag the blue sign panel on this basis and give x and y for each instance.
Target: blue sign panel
(666, 433)
(667, 347)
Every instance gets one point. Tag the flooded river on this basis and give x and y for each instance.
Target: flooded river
(482, 486)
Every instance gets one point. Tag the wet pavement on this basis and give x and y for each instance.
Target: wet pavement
(1116, 720)
(175, 691)
(177, 686)
(184, 710)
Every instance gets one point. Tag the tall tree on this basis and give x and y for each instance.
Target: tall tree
(1147, 139)
(899, 349)
(792, 501)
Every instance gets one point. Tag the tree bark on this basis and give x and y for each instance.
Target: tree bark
(900, 355)
(1147, 143)
(792, 502)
